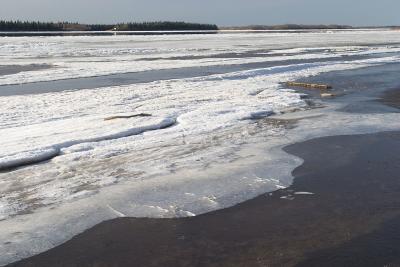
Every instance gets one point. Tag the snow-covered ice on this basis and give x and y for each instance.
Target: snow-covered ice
(204, 145)
(84, 56)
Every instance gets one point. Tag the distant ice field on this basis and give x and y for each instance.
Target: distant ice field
(88, 56)
(166, 148)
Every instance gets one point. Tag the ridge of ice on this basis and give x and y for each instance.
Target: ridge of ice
(100, 131)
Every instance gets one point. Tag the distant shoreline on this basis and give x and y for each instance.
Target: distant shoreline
(37, 26)
(305, 27)
(173, 32)
(160, 26)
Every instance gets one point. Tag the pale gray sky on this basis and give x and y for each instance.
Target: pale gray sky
(221, 12)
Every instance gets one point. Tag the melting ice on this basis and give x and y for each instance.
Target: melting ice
(205, 143)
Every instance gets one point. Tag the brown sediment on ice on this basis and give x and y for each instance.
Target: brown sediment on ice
(309, 85)
(127, 116)
(280, 123)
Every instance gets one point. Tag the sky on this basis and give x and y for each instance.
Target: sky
(221, 12)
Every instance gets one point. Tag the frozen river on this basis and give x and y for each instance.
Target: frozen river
(98, 127)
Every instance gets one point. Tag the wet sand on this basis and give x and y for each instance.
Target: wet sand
(352, 219)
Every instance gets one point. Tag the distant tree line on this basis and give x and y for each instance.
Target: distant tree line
(29, 26)
(164, 26)
(68, 26)
(289, 27)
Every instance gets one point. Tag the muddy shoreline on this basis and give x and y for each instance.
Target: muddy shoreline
(352, 218)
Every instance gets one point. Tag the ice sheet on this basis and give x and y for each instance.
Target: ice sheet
(82, 56)
(208, 143)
